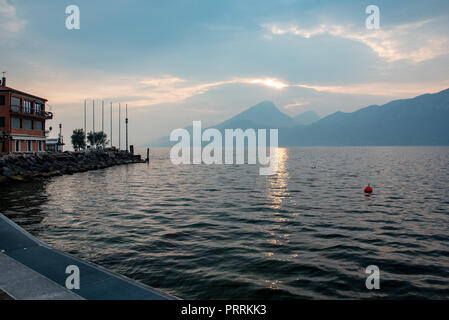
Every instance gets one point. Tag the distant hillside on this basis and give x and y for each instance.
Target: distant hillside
(306, 118)
(423, 120)
(263, 115)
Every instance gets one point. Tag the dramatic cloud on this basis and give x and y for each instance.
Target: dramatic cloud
(398, 90)
(137, 91)
(9, 21)
(296, 104)
(146, 92)
(415, 42)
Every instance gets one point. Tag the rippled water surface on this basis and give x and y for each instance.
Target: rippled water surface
(224, 232)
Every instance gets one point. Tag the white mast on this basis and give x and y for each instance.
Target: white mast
(85, 134)
(102, 120)
(111, 126)
(119, 126)
(93, 121)
(126, 123)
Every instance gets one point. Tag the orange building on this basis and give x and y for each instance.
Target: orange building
(22, 121)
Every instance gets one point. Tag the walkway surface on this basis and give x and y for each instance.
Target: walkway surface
(4, 296)
(30, 269)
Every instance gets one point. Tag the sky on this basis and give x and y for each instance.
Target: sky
(174, 62)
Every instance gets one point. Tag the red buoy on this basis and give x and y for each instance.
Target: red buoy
(368, 189)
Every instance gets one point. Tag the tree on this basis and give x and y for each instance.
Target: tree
(78, 139)
(96, 139)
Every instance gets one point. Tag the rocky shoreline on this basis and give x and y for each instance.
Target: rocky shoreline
(30, 166)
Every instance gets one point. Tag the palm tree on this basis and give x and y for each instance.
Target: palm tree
(78, 139)
(96, 139)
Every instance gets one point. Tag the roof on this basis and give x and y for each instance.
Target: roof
(9, 89)
(52, 140)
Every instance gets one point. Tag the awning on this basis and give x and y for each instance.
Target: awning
(27, 137)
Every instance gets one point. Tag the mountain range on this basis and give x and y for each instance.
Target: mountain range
(420, 121)
(306, 118)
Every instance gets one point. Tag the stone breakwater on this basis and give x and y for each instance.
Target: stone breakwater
(30, 166)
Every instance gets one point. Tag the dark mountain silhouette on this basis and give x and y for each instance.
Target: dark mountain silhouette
(262, 115)
(306, 118)
(423, 120)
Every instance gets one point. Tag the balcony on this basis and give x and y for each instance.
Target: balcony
(18, 110)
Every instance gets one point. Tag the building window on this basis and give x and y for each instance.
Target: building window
(2, 100)
(28, 124)
(27, 106)
(2, 122)
(16, 102)
(16, 123)
(37, 108)
(17, 145)
(39, 145)
(38, 126)
(29, 145)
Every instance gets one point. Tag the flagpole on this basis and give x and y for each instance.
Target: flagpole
(93, 122)
(85, 134)
(111, 126)
(119, 126)
(126, 123)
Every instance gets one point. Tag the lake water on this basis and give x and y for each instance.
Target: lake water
(225, 232)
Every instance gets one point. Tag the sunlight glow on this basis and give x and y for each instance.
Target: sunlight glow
(269, 82)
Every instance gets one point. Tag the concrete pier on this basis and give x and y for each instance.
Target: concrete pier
(30, 269)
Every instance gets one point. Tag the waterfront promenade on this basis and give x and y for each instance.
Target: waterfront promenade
(31, 270)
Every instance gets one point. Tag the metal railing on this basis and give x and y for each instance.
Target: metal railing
(39, 113)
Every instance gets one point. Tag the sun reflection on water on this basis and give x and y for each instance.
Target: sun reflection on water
(278, 183)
